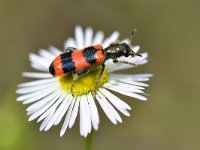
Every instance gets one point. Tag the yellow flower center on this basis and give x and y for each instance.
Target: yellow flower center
(85, 83)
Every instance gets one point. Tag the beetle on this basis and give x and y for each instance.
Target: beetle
(80, 62)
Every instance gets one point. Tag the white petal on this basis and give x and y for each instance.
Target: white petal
(38, 94)
(79, 37)
(126, 82)
(118, 103)
(38, 82)
(39, 60)
(35, 88)
(46, 54)
(140, 60)
(136, 48)
(110, 107)
(54, 106)
(88, 122)
(66, 104)
(81, 118)
(125, 41)
(70, 43)
(93, 111)
(36, 75)
(85, 121)
(39, 67)
(43, 101)
(135, 84)
(88, 37)
(46, 120)
(43, 109)
(134, 95)
(67, 118)
(98, 39)
(54, 51)
(123, 87)
(143, 75)
(57, 112)
(74, 112)
(111, 39)
(106, 110)
(134, 77)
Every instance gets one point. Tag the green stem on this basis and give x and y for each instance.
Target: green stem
(88, 142)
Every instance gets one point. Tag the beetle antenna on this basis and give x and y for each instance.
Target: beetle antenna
(138, 54)
(132, 53)
(131, 36)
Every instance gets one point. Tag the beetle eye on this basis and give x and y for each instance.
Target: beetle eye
(126, 54)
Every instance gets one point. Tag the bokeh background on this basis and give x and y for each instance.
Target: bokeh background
(168, 30)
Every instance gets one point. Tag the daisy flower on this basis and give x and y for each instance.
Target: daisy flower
(50, 97)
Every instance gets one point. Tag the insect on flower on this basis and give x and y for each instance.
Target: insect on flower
(50, 97)
(80, 62)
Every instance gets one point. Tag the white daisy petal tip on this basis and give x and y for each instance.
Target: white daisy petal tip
(31, 55)
(51, 104)
(61, 133)
(144, 99)
(95, 127)
(18, 99)
(127, 114)
(115, 122)
(136, 48)
(31, 118)
(78, 27)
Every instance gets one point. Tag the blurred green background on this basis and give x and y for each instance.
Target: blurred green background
(168, 30)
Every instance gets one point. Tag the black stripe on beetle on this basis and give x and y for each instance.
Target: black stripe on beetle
(67, 64)
(89, 54)
(51, 69)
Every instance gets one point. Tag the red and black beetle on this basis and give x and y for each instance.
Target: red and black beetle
(79, 62)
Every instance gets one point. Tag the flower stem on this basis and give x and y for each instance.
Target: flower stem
(88, 142)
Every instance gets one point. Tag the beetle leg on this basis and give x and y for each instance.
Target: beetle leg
(99, 77)
(82, 72)
(100, 74)
(75, 78)
(69, 49)
(124, 62)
